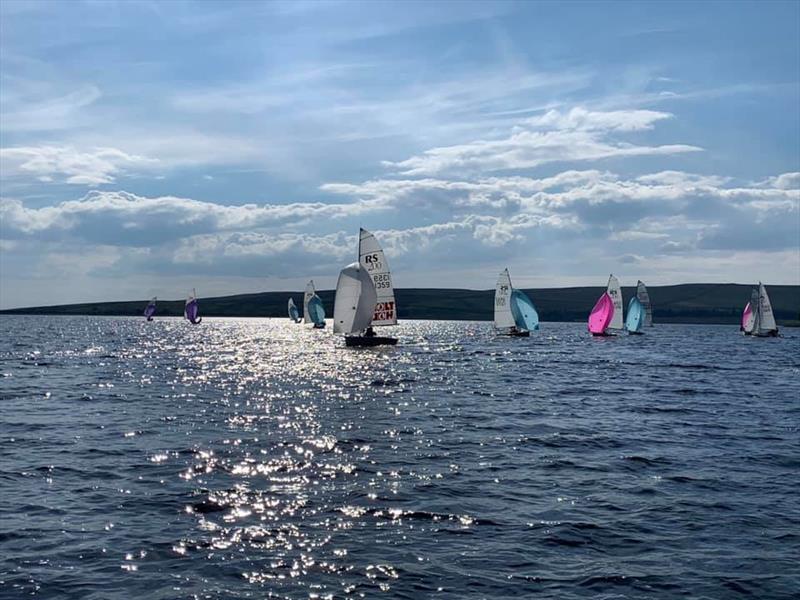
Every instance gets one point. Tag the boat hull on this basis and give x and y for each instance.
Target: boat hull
(354, 341)
(319, 325)
(773, 333)
(636, 333)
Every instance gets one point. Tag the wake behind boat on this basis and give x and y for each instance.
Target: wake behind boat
(514, 313)
(365, 296)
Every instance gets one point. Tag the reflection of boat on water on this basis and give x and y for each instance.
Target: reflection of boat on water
(313, 310)
(514, 313)
(365, 296)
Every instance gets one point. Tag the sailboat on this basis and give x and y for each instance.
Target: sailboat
(190, 311)
(606, 316)
(365, 296)
(601, 315)
(514, 313)
(313, 310)
(636, 317)
(294, 314)
(761, 321)
(150, 310)
(644, 298)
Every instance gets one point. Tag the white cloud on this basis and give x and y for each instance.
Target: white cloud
(579, 135)
(91, 167)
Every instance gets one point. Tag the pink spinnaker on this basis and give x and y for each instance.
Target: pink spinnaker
(601, 314)
(747, 317)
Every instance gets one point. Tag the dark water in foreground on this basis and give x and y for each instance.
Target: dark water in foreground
(256, 458)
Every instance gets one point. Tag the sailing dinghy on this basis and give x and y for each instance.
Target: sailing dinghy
(150, 310)
(601, 315)
(514, 313)
(294, 314)
(636, 317)
(365, 296)
(313, 310)
(615, 293)
(190, 311)
(764, 324)
(644, 298)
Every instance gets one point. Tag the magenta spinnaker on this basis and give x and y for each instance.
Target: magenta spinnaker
(601, 314)
(746, 315)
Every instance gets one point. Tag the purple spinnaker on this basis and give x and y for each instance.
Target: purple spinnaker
(150, 311)
(191, 311)
(747, 317)
(601, 314)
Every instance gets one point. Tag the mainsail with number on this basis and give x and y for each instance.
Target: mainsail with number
(373, 260)
(615, 293)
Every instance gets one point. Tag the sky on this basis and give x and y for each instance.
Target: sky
(147, 148)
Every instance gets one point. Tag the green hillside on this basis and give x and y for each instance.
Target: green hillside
(686, 303)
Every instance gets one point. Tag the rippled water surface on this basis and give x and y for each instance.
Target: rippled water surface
(257, 458)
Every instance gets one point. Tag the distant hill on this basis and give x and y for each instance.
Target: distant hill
(685, 303)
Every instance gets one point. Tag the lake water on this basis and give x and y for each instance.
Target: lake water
(253, 458)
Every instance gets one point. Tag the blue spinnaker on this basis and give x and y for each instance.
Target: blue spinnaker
(525, 315)
(636, 315)
(316, 311)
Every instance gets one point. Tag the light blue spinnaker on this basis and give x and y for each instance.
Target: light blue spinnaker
(316, 311)
(525, 315)
(636, 315)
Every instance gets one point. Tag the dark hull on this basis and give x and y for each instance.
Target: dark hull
(353, 341)
(603, 334)
(773, 333)
(319, 325)
(520, 334)
(636, 333)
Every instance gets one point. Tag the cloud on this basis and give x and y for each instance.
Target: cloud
(579, 135)
(92, 167)
(128, 219)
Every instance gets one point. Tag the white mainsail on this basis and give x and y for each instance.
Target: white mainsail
(644, 298)
(355, 301)
(503, 318)
(310, 291)
(615, 292)
(373, 260)
(765, 321)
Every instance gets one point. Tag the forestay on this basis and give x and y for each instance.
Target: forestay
(372, 258)
(503, 317)
(354, 305)
(644, 299)
(615, 293)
